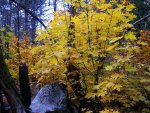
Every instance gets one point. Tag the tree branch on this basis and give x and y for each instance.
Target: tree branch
(29, 12)
(143, 18)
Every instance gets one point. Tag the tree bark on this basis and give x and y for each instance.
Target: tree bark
(8, 86)
(25, 85)
(2, 109)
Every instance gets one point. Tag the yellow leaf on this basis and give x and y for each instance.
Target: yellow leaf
(118, 87)
(131, 36)
(111, 47)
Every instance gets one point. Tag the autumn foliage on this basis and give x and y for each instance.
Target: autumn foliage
(112, 61)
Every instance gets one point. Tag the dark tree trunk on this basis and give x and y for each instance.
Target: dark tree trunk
(24, 85)
(55, 5)
(71, 35)
(26, 18)
(26, 23)
(8, 86)
(33, 35)
(73, 74)
(73, 77)
(2, 109)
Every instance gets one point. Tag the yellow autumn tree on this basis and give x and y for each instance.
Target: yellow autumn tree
(98, 38)
(103, 48)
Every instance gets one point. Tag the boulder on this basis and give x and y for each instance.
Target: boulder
(52, 98)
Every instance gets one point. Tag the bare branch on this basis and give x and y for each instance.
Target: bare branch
(143, 18)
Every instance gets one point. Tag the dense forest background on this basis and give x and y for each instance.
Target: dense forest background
(98, 48)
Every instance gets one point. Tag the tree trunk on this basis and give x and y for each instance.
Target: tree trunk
(24, 85)
(2, 109)
(73, 77)
(8, 86)
(73, 74)
(55, 5)
(26, 18)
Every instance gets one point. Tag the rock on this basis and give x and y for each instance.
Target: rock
(52, 98)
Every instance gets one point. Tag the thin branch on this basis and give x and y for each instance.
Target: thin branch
(143, 18)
